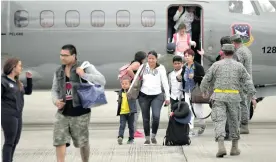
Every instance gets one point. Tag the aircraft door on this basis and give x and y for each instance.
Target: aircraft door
(201, 33)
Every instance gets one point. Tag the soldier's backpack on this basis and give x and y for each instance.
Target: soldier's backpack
(123, 72)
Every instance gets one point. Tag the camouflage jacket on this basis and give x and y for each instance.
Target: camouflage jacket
(227, 74)
(244, 56)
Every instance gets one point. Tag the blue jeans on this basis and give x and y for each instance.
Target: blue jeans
(129, 119)
(156, 103)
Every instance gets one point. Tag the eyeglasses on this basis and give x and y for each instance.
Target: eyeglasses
(64, 55)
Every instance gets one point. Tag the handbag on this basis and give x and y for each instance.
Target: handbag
(91, 95)
(134, 89)
(197, 96)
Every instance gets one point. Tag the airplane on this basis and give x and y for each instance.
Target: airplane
(244, 34)
(108, 33)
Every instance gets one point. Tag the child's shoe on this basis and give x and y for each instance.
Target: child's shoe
(130, 141)
(120, 140)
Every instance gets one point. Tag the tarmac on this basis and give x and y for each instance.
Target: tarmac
(36, 140)
(39, 110)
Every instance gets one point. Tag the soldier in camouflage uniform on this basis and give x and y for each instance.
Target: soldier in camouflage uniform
(244, 56)
(229, 78)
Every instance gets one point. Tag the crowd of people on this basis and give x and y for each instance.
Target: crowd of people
(229, 79)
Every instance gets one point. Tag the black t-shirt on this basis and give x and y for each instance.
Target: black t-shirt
(69, 110)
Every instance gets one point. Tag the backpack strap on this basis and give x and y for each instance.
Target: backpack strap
(188, 38)
(175, 37)
(192, 107)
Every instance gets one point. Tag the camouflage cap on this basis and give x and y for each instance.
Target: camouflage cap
(235, 37)
(228, 47)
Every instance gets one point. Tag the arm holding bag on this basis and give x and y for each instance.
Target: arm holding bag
(90, 94)
(134, 89)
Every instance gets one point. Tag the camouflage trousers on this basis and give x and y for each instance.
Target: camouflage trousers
(245, 106)
(71, 127)
(222, 111)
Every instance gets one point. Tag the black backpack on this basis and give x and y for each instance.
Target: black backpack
(177, 134)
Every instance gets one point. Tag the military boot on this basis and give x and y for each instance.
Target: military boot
(244, 129)
(221, 148)
(235, 149)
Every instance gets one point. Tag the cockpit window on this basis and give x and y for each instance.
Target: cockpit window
(266, 6)
(242, 7)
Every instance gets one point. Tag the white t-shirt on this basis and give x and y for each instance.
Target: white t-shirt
(175, 86)
(153, 80)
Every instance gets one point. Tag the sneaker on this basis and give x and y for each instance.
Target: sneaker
(153, 141)
(130, 141)
(201, 130)
(120, 140)
(147, 142)
(138, 134)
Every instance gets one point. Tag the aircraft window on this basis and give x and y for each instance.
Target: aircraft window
(97, 18)
(47, 19)
(123, 18)
(241, 6)
(21, 18)
(72, 18)
(148, 18)
(266, 6)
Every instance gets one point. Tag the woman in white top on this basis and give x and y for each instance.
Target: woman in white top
(151, 95)
(187, 18)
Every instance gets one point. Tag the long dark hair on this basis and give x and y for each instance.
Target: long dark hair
(9, 65)
(139, 57)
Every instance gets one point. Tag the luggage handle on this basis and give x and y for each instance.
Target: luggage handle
(192, 107)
